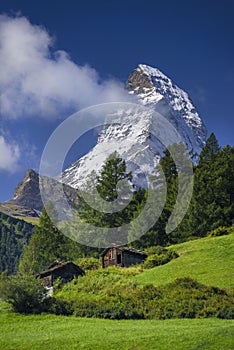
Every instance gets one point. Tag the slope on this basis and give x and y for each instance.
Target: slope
(14, 233)
(20, 212)
(208, 260)
(139, 136)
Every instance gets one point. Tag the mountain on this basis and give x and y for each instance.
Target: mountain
(27, 192)
(135, 132)
(27, 201)
(155, 89)
(19, 215)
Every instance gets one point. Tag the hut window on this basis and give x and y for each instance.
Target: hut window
(112, 253)
(119, 258)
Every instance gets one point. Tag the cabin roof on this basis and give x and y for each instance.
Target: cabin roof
(125, 249)
(57, 265)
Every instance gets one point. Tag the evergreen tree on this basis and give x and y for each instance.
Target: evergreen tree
(107, 190)
(210, 151)
(14, 233)
(46, 245)
(112, 187)
(113, 171)
(157, 233)
(170, 172)
(212, 202)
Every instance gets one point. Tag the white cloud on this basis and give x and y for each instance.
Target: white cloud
(36, 80)
(9, 155)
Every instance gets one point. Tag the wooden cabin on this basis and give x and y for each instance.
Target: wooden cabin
(122, 256)
(66, 270)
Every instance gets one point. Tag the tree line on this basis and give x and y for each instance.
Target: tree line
(14, 234)
(212, 206)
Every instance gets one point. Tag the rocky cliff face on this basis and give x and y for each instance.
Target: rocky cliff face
(134, 132)
(155, 89)
(27, 192)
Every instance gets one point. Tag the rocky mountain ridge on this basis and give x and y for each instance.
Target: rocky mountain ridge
(27, 199)
(133, 132)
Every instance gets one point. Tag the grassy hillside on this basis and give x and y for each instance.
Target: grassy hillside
(20, 212)
(208, 260)
(126, 293)
(45, 332)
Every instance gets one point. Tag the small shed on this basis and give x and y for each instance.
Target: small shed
(122, 256)
(66, 270)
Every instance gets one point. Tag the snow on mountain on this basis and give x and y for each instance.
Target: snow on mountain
(153, 88)
(133, 132)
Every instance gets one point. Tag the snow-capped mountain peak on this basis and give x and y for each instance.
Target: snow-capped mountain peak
(150, 86)
(133, 131)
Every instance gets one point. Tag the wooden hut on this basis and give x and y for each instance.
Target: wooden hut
(122, 256)
(66, 270)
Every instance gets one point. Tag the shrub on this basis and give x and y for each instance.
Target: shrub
(27, 295)
(106, 294)
(89, 263)
(56, 306)
(160, 258)
(186, 298)
(220, 231)
(105, 307)
(24, 293)
(157, 249)
(226, 311)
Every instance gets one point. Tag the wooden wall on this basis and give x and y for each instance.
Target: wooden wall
(121, 258)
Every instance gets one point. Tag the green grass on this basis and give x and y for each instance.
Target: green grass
(19, 212)
(29, 219)
(41, 332)
(210, 261)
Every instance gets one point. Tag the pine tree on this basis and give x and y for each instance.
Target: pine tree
(107, 190)
(210, 151)
(46, 245)
(113, 171)
(157, 235)
(212, 202)
(14, 233)
(112, 184)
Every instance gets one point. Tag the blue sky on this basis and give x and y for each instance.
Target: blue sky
(190, 41)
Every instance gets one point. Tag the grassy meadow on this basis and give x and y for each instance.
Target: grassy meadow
(52, 332)
(208, 260)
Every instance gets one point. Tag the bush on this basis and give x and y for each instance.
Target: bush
(89, 263)
(27, 295)
(186, 298)
(107, 294)
(160, 258)
(220, 231)
(24, 293)
(56, 306)
(117, 308)
(157, 249)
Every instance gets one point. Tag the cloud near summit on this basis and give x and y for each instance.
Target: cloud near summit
(36, 80)
(10, 154)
